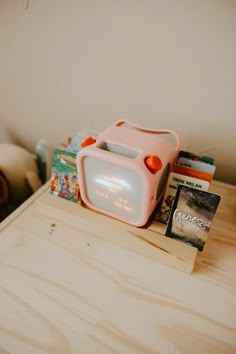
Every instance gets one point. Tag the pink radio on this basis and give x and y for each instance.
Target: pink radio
(124, 171)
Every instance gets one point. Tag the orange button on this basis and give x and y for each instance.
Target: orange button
(153, 163)
(88, 141)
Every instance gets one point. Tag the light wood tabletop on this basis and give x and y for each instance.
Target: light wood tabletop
(75, 281)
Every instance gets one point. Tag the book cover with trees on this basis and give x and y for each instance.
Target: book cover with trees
(191, 216)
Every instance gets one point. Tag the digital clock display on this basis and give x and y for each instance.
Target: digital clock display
(114, 189)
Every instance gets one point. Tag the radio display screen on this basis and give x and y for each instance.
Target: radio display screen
(113, 188)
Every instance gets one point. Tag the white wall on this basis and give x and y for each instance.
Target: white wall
(67, 64)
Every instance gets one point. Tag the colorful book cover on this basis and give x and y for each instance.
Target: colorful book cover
(64, 179)
(64, 175)
(192, 156)
(197, 165)
(192, 172)
(174, 180)
(191, 216)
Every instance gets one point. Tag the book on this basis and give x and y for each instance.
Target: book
(191, 216)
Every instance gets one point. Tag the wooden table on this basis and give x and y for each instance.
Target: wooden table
(74, 281)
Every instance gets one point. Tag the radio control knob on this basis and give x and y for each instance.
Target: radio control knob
(88, 141)
(153, 163)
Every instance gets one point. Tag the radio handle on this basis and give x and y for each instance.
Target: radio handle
(152, 131)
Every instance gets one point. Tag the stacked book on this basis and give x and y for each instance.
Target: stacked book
(64, 177)
(188, 207)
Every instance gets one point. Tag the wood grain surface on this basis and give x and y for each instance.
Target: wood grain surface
(75, 281)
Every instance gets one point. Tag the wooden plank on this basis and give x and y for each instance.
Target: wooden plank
(147, 242)
(68, 286)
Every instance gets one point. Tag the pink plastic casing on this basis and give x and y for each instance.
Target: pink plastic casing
(128, 191)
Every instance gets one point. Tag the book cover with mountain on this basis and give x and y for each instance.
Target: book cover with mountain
(191, 216)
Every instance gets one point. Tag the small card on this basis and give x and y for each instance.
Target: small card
(64, 181)
(64, 175)
(197, 165)
(191, 156)
(192, 172)
(172, 184)
(191, 216)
